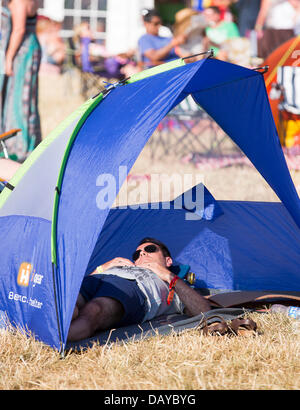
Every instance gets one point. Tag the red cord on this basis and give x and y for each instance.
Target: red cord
(172, 289)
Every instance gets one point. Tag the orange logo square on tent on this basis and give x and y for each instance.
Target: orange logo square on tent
(24, 274)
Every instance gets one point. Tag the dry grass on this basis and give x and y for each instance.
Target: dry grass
(269, 360)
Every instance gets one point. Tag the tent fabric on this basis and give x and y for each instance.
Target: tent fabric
(46, 256)
(63, 129)
(26, 291)
(128, 117)
(47, 168)
(243, 249)
(248, 135)
(124, 132)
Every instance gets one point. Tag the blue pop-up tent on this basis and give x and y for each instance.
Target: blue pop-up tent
(56, 225)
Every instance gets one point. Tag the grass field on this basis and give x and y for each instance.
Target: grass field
(268, 360)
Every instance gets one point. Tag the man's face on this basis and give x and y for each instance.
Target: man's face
(211, 16)
(148, 257)
(152, 27)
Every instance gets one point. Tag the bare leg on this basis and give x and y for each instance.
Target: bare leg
(79, 305)
(75, 313)
(98, 314)
(8, 168)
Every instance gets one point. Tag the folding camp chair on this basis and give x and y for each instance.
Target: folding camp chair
(288, 82)
(91, 76)
(77, 60)
(70, 67)
(93, 73)
(3, 138)
(187, 129)
(4, 154)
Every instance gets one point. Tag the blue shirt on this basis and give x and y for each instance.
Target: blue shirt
(150, 42)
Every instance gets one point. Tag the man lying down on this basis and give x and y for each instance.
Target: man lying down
(121, 292)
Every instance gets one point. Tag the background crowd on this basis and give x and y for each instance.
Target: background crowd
(244, 32)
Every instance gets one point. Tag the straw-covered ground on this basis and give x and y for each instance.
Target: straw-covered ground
(270, 359)
(266, 361)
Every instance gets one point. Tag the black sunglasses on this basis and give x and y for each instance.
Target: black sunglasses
(148, 249)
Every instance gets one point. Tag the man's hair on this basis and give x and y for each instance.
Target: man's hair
(148, 14)
(161, 245)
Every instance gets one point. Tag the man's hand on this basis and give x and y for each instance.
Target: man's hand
(117, 262)
(161, 271)
(179, 40)
(194, 303)
(114, 262)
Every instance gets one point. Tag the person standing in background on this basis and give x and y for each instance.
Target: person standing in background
(19, 75)
(275, 24)
(247, 13)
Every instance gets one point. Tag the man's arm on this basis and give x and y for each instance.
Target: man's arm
(119, 261)
(194, 302)
(262, 14)
(156, 56)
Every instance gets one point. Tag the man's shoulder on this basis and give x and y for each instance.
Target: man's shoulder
(144, 37)
(147, 41)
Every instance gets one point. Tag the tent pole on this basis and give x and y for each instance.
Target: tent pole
(264, 68)
(61, 351)
(209, 52)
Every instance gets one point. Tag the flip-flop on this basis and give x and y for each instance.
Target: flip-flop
(242, 326)
(218, 327)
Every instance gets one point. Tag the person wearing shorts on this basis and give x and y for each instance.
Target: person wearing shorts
(121, 292)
